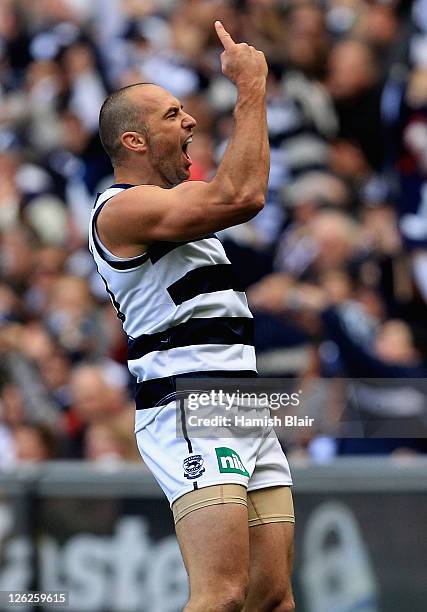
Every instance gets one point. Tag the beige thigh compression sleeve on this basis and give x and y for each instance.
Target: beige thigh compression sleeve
(208, 496)
(270, 505)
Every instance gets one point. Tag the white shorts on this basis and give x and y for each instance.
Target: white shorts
(181, 465)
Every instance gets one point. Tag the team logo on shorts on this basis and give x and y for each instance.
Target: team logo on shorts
(193, 466)
(229, 461)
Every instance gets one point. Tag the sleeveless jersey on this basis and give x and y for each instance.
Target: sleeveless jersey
(182, 308)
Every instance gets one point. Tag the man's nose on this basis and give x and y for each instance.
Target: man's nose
(188, 121)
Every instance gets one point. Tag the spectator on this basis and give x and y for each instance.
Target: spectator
(98, 395)
(34, 443)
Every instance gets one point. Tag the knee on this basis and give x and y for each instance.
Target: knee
(265, 597)
(227, 597)
(232, 599)
(285, 606)
(281, 601)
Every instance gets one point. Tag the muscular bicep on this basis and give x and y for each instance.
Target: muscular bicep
(146, 214)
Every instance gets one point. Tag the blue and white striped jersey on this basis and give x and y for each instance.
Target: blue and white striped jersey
(182, 308)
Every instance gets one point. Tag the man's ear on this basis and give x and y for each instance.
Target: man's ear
(134, 141)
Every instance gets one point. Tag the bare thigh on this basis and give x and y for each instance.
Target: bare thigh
(214, 543)
(270, 568)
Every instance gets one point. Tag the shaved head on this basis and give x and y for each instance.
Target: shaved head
(120, 113)
(146, 132)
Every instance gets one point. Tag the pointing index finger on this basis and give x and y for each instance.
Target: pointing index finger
(223, 35)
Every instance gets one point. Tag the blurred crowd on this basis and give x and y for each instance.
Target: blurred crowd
(335, 265)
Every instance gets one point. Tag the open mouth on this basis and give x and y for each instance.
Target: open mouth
(185, 148)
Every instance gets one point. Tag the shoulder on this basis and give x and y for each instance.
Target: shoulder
(134, 191)
(122, 203)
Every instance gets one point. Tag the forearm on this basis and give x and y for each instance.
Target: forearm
(243, 172)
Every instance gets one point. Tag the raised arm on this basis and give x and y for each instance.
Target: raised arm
(149, 213)
(245, 167)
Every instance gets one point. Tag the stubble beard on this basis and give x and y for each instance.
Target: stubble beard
(168, 169)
